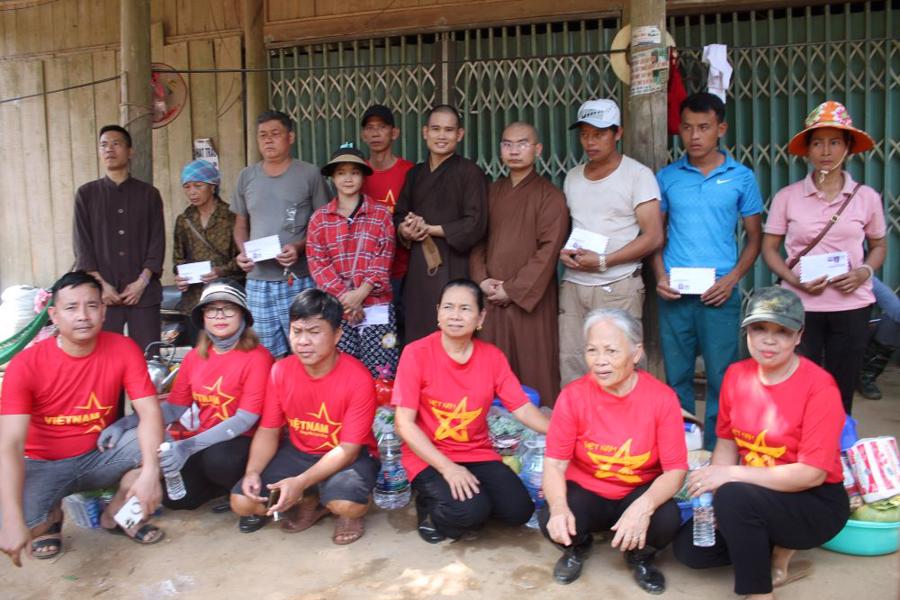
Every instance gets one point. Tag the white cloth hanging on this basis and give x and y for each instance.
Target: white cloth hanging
(719, 78)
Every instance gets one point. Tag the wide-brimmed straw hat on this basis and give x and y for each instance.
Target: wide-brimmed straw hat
(835, 115)
(346, 154)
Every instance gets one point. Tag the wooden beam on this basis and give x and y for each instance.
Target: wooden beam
(645, 140)
(136, 112)
(696, 7)
(257, 89)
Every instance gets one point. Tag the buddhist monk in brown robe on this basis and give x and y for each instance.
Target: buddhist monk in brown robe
(516, 264)
(440, 215)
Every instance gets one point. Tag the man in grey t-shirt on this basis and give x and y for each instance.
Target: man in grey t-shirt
(276, 196)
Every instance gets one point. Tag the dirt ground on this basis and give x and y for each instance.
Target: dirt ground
(204, 556)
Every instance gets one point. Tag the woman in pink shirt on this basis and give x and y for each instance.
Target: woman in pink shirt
(837, 307)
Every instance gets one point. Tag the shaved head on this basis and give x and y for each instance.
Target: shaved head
(521, 130)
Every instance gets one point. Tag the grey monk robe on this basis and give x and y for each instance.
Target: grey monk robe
(453, 196)
(527, 227)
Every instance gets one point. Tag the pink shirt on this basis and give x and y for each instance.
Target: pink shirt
(799, 212)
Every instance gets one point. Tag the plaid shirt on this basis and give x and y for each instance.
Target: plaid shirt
(335, 242)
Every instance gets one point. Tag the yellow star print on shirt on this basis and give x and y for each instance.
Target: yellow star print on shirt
(760, 454)
(216, 398)
(93, 405)
(622, 458)
(328, 427)
(460, 431)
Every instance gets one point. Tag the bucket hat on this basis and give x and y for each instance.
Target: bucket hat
(223, 290)
(346, 154)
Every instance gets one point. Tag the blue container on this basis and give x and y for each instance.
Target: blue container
(862, 538)
(530, 392)
(687, 510)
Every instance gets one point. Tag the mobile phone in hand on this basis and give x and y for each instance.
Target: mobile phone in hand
(274, 496)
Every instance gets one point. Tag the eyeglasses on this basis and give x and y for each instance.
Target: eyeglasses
(520, 146)
(213, 312)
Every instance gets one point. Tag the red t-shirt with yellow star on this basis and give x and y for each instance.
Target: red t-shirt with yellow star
(72, 399)
(615, 444)
(385, 187)
(223, 383)
(452, 400)
(322, 413)
(796, 421)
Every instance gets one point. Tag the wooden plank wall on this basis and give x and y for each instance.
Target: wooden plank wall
(49, 145)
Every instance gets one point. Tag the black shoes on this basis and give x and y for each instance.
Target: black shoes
(251, 523)
(648, 577)
(429, 533)
(568, 567)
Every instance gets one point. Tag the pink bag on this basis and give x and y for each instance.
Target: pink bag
(876, 466)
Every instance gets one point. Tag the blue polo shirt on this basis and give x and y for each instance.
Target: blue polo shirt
(703, 212)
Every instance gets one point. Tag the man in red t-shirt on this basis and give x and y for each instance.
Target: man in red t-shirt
(326, 400)
(379, 130)
(57, 397)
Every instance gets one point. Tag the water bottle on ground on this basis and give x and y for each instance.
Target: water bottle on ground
(532, 474)
(704, 520)
(174, 483)
(392, 488)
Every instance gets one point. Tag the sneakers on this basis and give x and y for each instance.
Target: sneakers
(568, 567)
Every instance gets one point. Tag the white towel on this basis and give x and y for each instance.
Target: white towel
(716, 56)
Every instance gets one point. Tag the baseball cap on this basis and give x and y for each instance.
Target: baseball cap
(600, 113)
(775, 305)
(380, 111)
(224, 290)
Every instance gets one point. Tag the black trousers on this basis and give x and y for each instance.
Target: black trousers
(211, 473)
(837, 341)
(595, 513)
(750, 519)
(501, 496)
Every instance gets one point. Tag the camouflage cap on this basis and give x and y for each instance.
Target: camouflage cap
(776, 305)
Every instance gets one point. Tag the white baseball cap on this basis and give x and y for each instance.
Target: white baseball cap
(600, 113)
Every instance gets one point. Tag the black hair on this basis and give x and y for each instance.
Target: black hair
(469, 285)
(316, 303)
(444, 108)
(704, 102)
(75, 279)
(613, 128)
(848, 138)
(118, 128)
(275, 115)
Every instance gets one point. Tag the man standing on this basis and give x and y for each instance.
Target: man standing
(441, 214)
(704, 193)
(379, 131)
(276, 196)
(57, 397)
(326, 401)
(515, 265)
(613, 198)
(120, 239)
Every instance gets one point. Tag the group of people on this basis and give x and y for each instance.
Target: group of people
(462, 274)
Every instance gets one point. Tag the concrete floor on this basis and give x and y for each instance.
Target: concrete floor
(204, 556)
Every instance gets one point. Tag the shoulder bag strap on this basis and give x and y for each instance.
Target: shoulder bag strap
(834, 219)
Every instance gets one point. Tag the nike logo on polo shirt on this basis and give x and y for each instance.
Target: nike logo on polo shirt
(721, 181)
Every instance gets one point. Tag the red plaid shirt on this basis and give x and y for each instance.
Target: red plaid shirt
(334, 243)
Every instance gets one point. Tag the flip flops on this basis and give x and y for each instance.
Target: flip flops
(797, 569)
(52, 538)
(347, 531)
(143, 536)
(300, 519)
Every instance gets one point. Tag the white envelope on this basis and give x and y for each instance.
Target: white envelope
(376, 315)
(691, 280)
(588, 240)
(195, 270)
(130, 514)
(830, 265)
(264, 248)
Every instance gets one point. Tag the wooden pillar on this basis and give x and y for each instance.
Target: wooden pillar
(257, 82)
(646, 141)
(135, 111)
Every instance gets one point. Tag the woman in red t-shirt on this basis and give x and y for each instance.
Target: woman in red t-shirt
(445, 385)
(776, 470)
(224, 376)
(615, 456)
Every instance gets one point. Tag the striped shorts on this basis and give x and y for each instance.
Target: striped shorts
(269, 302)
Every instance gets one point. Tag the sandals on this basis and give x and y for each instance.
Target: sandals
(52, 538)
(251, 523)
(298, 519)
(148, 534)
(347, 531)
(797, 569)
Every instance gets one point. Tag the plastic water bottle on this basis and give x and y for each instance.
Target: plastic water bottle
(392, 488)
(704, 520)
(174, 483)
(532, 475)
